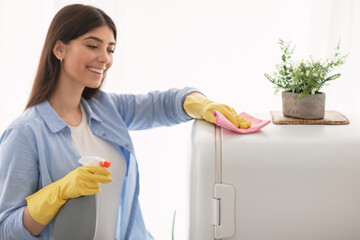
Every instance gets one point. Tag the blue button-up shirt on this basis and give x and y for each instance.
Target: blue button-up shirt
(36, 150)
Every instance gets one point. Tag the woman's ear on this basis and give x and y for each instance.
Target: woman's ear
(59, 50)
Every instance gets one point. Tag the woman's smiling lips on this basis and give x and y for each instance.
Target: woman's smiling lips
(99, 71)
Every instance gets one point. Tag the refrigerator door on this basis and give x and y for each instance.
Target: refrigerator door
(290, 182)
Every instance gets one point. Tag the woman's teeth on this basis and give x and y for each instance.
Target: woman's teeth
(100, 71)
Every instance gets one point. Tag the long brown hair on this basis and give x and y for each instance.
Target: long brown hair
(69, 23)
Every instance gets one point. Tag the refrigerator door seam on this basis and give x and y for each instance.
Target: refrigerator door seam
(223, 202)
(218, 154)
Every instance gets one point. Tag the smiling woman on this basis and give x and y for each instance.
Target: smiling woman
(61, 33)
(68, 117)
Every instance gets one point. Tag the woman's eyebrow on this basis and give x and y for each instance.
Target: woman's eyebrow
(98, 40)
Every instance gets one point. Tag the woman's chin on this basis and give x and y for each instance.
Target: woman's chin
(93, 84)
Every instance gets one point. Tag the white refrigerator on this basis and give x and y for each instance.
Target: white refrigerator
(285, 182)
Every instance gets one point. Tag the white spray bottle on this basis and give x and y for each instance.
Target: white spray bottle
(77, 218)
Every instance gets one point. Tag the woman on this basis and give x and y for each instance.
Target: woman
(67, 117)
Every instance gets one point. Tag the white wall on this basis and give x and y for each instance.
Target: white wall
(222, 48)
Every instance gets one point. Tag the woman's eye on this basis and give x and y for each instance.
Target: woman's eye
(91, 46)
(111, 51)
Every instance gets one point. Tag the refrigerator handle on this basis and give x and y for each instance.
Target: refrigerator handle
(223, 213)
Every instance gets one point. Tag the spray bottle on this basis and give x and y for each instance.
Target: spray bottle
(77, 218)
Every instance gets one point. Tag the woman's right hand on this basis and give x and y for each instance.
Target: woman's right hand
(83, 181)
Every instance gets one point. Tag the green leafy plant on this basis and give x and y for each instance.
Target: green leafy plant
(304, 77)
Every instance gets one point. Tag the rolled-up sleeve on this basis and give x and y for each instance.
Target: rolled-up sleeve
(18, 179)
(157, 108)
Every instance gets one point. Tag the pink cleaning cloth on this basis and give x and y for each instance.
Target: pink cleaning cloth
(256, 124)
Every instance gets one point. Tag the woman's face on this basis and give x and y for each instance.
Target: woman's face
(88, 57)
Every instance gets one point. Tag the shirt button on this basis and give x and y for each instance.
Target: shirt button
(127, 145)
(104, 134)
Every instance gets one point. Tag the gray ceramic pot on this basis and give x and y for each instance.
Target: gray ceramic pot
(309, 107)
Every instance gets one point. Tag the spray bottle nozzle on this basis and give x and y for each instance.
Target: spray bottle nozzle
(93, 160)
(105, 164)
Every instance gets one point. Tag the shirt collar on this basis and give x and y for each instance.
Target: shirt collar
(89, 111)
(53, 120)
(50, 117)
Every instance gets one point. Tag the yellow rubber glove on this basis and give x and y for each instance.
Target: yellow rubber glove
(198, 106)
(83, 181)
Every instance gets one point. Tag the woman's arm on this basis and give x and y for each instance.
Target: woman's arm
(18, 179)
(33, 227)
(156, 108)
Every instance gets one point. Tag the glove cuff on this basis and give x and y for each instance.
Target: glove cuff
(45, 203)
(195, 104)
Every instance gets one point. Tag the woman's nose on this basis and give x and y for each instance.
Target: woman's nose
(104, 56)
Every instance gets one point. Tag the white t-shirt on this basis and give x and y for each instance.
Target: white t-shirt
(88, 144)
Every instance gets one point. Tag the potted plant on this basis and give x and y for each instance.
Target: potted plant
(301, 82)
